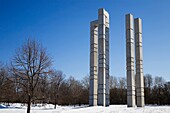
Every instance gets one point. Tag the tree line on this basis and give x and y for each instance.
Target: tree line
(156, 90)
(30, 78)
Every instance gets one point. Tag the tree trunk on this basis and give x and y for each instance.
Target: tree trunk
(55, 106)
(29, 104)
(55, 103)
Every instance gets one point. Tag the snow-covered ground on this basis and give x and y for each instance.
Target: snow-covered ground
(19, 108)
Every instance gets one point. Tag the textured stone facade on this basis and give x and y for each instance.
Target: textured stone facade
(99, 93)
(130, 60)
(134, 82)
(99, 60)
(93, 63)
(139, 63)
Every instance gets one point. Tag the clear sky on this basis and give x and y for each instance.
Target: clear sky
(63, 27)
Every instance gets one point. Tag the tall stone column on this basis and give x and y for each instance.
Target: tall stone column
(99, 59)
(107, 61)
(93, 63)
(139, 63)
(102, 57)
(130, 60)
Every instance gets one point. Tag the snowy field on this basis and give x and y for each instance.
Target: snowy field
(18, 108)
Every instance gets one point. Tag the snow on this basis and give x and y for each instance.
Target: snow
(3, 106)
(49, 108)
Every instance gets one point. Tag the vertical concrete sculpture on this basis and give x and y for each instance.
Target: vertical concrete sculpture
(139, 63)
(93, 63)
(102, 58)
(130, 60)
(99, 60)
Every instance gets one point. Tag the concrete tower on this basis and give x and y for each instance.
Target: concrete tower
(103, 67)
(139, 63)
(99, 60)
(93, 63)
(130, 60)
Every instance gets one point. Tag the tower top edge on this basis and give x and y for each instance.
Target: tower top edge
(138, 19)
(94, 23)
(102, 11)
(129, 14)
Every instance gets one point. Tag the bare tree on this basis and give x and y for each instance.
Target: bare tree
(3, 73)
(56, 80)
(122, 83)
(76, 90)
(85, 89)
(85, 82)
(159, 81)
(158, 90)
(43, 89)
(7, 87)
(148, 80)
(28, 65)
(113, 82)
(122, 86)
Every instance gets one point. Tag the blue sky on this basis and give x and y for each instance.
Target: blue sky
(63, 27)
